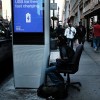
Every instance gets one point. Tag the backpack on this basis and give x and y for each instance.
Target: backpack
(52, 92)
(55, 90)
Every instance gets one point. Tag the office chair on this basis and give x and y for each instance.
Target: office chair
(72, 67)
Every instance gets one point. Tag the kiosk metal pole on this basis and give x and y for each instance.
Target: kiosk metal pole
(53, 14)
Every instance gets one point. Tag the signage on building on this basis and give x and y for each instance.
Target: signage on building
(53, 6)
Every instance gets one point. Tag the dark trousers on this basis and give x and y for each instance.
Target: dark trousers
(81, 40)
(70, 42)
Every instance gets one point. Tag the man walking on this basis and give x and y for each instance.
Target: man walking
(70, 31)
(96, 34)
(81, 31)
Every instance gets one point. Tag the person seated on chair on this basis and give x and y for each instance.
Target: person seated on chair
(66, 52)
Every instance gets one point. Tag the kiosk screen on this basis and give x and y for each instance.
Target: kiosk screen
(28, 16)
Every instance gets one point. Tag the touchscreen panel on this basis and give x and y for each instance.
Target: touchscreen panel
(28, 16)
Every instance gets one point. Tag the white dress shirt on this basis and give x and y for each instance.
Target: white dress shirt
(70, 32)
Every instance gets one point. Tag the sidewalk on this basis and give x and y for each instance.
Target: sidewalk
(88, 75)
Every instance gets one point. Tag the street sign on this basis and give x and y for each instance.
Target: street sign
(53, 6)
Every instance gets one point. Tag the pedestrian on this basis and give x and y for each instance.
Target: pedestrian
(81, 31)
(70, 32)
(96, 34)
(60, 30)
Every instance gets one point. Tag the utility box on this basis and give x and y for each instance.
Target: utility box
(30, 19)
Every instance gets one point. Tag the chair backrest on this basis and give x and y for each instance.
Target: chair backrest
(72, 66)
(76, 57)
(66, 51)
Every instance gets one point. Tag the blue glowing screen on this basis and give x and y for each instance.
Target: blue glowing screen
(28, 15)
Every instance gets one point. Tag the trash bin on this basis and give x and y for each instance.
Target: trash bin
(53, 44)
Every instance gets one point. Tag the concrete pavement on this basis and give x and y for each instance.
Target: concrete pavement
(88, 75)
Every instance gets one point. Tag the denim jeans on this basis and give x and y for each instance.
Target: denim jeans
(55, 77)
(96, 42)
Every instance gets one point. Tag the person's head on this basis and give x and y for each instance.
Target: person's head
(59, 26)
(69, 24)
(80, 23)
(61, 39)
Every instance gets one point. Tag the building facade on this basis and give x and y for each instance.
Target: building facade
(0, 9)
(76, 11)
(66, 13)
(91, 14)
(86, 11)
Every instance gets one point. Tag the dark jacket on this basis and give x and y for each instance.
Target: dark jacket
(80, 31)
